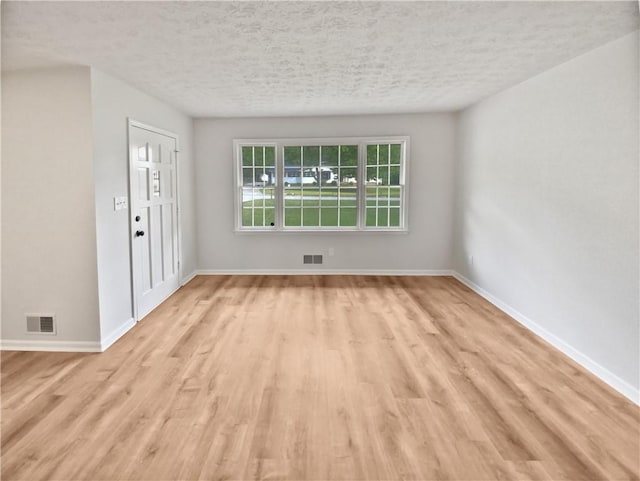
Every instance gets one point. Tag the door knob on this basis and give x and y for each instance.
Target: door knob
(139, 233)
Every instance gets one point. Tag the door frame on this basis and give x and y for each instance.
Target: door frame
(131, 123)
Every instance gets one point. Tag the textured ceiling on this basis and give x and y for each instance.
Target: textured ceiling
(311, 58)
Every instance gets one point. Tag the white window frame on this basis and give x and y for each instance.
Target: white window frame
(281, 143)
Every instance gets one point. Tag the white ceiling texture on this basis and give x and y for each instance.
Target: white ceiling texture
(231, 59)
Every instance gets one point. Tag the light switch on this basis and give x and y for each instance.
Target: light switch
(120, 203)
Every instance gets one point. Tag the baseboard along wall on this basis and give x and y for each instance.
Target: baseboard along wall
(585, 361)
(49, 346)
(324, 272)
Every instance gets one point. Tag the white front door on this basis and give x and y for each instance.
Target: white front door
(154, 216)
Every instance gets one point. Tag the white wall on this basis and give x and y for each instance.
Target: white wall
(547, 205)
(113, 102)
(48, 215)
(427, 245)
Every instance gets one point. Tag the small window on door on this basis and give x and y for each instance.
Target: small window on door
(156, 183)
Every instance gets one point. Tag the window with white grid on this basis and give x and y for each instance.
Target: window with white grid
(320, 186)
(384, 187)
(258, 186)
(328, 184)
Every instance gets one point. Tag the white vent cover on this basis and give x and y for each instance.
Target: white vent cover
(41, 323)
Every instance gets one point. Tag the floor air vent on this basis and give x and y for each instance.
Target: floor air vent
(41, 324)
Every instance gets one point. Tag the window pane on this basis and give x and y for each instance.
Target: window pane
(258, 156)
(383, 157)
(247, 156)
(349, 155)
(293, 217)
(292, 156)
(371, 217)
(394, 196)
(329, 157)
(292, 176)
(247, 196)
(372, 155)
(324, 176)
(394, 175)
(310, 175)
(395, 153)
(348, 217)
(264, 176)
(348, 176)
(270, 156)
(394, 217)
(373, 175)
(311, 155)
(329, 216)
(310, 216)
(247, 176)
(382, 217)
(348, 197)
(247, 220)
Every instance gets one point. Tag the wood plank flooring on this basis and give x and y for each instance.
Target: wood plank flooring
(316, 378)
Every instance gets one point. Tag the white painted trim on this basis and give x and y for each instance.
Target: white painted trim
(280, 143)
(620, 385)
(117, 333)
(49, 346)
(160, 302)
(152, 128)
(321, 272)
(189, 278)
(67, 346)
(131, 123)
(319, 231)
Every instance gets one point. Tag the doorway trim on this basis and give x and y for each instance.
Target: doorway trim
(131, 123)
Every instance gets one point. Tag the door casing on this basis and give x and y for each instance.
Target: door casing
(131, 123)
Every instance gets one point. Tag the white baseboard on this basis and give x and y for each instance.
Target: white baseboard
(189, 278)
(117, 333)
(50, 346)
(46, 345)
(325, 272)
(620, 385)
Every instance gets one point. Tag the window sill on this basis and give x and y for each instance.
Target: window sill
(321, 231)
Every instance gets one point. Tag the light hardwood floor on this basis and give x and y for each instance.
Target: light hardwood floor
(316, 377)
